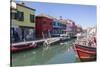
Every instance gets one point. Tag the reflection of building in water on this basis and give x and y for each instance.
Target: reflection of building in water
(23, 22)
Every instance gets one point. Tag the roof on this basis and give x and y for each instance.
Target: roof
(45, 15)
(64, 21)
(25, 6)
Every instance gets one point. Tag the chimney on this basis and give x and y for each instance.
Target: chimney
(22, 3)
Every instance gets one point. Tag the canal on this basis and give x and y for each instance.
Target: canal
(54, 54)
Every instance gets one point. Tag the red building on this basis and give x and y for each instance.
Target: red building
(43, 26)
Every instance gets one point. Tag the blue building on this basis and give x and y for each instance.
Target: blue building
(58, 28)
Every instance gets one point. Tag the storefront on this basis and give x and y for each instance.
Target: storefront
(27, 34)
(19, 34)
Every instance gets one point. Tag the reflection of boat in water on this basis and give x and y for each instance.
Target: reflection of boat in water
(86, 53)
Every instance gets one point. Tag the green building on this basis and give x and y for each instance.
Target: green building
(22, 22)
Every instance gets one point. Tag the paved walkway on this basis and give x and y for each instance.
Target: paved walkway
(50, 40)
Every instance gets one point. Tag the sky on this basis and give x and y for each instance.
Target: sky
(84, 15)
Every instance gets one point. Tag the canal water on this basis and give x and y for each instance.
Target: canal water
(54, 54)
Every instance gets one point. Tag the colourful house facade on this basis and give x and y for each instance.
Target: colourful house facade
(71, 27)
(22, 23)
(58, 28)
(79, 29)
(43, 26)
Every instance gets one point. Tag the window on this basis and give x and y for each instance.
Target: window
(53, 23)
(32, 19)
(20, 15)
(13, 15)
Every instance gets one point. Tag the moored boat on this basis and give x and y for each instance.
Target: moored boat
(85, 45)
(20, 47)
(86, 53)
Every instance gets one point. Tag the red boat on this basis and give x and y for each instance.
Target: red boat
(16, 48)
(86, 53)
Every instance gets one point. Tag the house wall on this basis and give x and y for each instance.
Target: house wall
(58, 28)
(43, 26)
(26, 21)
(25, 29)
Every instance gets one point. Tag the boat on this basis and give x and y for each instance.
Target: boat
(20, 47)
(64, 37)
(85, 45)
(86, 53)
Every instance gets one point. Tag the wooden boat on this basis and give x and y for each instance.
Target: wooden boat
(16, 48)
(86, 53)
(85, 45)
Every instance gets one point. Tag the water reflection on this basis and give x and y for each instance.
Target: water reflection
(58, 53)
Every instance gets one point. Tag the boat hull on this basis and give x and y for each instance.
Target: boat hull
(21, 47)
(86, 53)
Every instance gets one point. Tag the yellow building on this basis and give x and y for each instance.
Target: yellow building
(22, 22)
